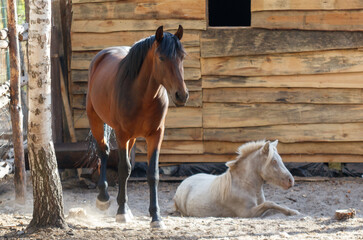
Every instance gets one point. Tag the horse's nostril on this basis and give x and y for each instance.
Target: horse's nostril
(177, 96)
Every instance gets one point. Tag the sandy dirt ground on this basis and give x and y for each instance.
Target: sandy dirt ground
(317, 202)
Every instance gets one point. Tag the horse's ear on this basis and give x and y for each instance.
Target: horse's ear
(274, 143)
(266, 147)
(179, 33)
(231, 164)
(159, 35)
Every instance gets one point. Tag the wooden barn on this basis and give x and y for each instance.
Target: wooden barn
(257, 69)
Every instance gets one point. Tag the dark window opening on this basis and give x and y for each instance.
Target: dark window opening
(229, 13)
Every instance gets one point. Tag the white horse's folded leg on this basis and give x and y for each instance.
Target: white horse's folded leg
(262, 208)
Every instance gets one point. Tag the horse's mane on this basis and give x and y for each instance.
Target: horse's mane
(130, 66)
(246, 149)
(223, 182)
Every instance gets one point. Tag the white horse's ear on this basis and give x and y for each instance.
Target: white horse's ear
(231, 164)
(266, 147)
(274, 143)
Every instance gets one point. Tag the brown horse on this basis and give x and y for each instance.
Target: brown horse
(127, 90)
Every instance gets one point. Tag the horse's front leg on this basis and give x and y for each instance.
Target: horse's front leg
(153, 146)
(263, 207)
(124, 170)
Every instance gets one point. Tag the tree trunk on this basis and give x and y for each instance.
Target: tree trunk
(15, 104)
(47, 189)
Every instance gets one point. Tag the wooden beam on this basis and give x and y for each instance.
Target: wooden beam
(332, 132)
(335, 61)
(183, 117)
(174, 147)
(335, 80)
(205, 158)
(283, 95)
(219, 115)
(347, 148)
(351, 20)
(273, 5)
(141, 10)
(116, 25)
(97, 41)
(15, 104)
(224, 42)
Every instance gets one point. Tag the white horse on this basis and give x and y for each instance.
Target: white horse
(238, 192)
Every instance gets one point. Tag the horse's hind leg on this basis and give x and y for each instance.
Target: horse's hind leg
(124, 170)
(97, 128)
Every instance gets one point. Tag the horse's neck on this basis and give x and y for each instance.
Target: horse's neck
(247, 176)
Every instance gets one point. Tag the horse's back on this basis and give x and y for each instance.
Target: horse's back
(192, 195)
(102, 76)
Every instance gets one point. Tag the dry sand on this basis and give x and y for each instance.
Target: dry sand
(317, 202)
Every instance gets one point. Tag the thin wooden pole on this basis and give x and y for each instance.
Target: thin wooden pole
(15, 104)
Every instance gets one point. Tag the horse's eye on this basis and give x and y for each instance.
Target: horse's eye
(274, 161)
(161, 58)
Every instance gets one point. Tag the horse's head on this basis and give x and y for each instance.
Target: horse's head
(168, 64)
(273, 169)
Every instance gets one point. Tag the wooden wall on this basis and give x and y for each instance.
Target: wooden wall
(302, 86)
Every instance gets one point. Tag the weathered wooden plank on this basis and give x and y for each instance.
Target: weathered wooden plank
(351, 20)
(81, 60)
(334, 61)
(183, 117)
(204, 158)
(154, 9)
(98, 41)
(117, 25)
(174, 147)
(219, 42)
(347, 148)
(79, 88)
(82, 75)
(195, 100)
(267, 5)
(346, 132)
(188, 158)
(91, 1)
(283, 95)
(219, 115)
(171, 134)
(336, 80)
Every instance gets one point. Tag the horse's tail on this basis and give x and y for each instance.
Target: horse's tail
(92, 158)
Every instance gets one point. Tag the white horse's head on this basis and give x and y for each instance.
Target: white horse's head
(273, 169)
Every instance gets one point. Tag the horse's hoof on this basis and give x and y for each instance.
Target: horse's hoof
(103, 205)
(293, 212)
(158, 225)
(124, 218)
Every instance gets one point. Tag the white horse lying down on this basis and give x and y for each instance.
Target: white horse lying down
(238, 192)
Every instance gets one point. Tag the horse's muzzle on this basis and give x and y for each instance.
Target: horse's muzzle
(180, 99)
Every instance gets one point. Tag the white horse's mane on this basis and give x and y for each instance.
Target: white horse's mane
(224, 181)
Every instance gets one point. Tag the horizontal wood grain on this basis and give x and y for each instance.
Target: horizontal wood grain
(332, 132)
(266, 5)
(351, 20)
(347, 148)
(170, 134)
(204, 158)
(335, 61)
(183, 117)
(88, 41)
(155, 9)
(283, 95)
(335, 80)
(174, 147)
(224, 42)
(222, 115)
(117, 25)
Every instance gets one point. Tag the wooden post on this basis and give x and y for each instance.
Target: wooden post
(15, 104)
